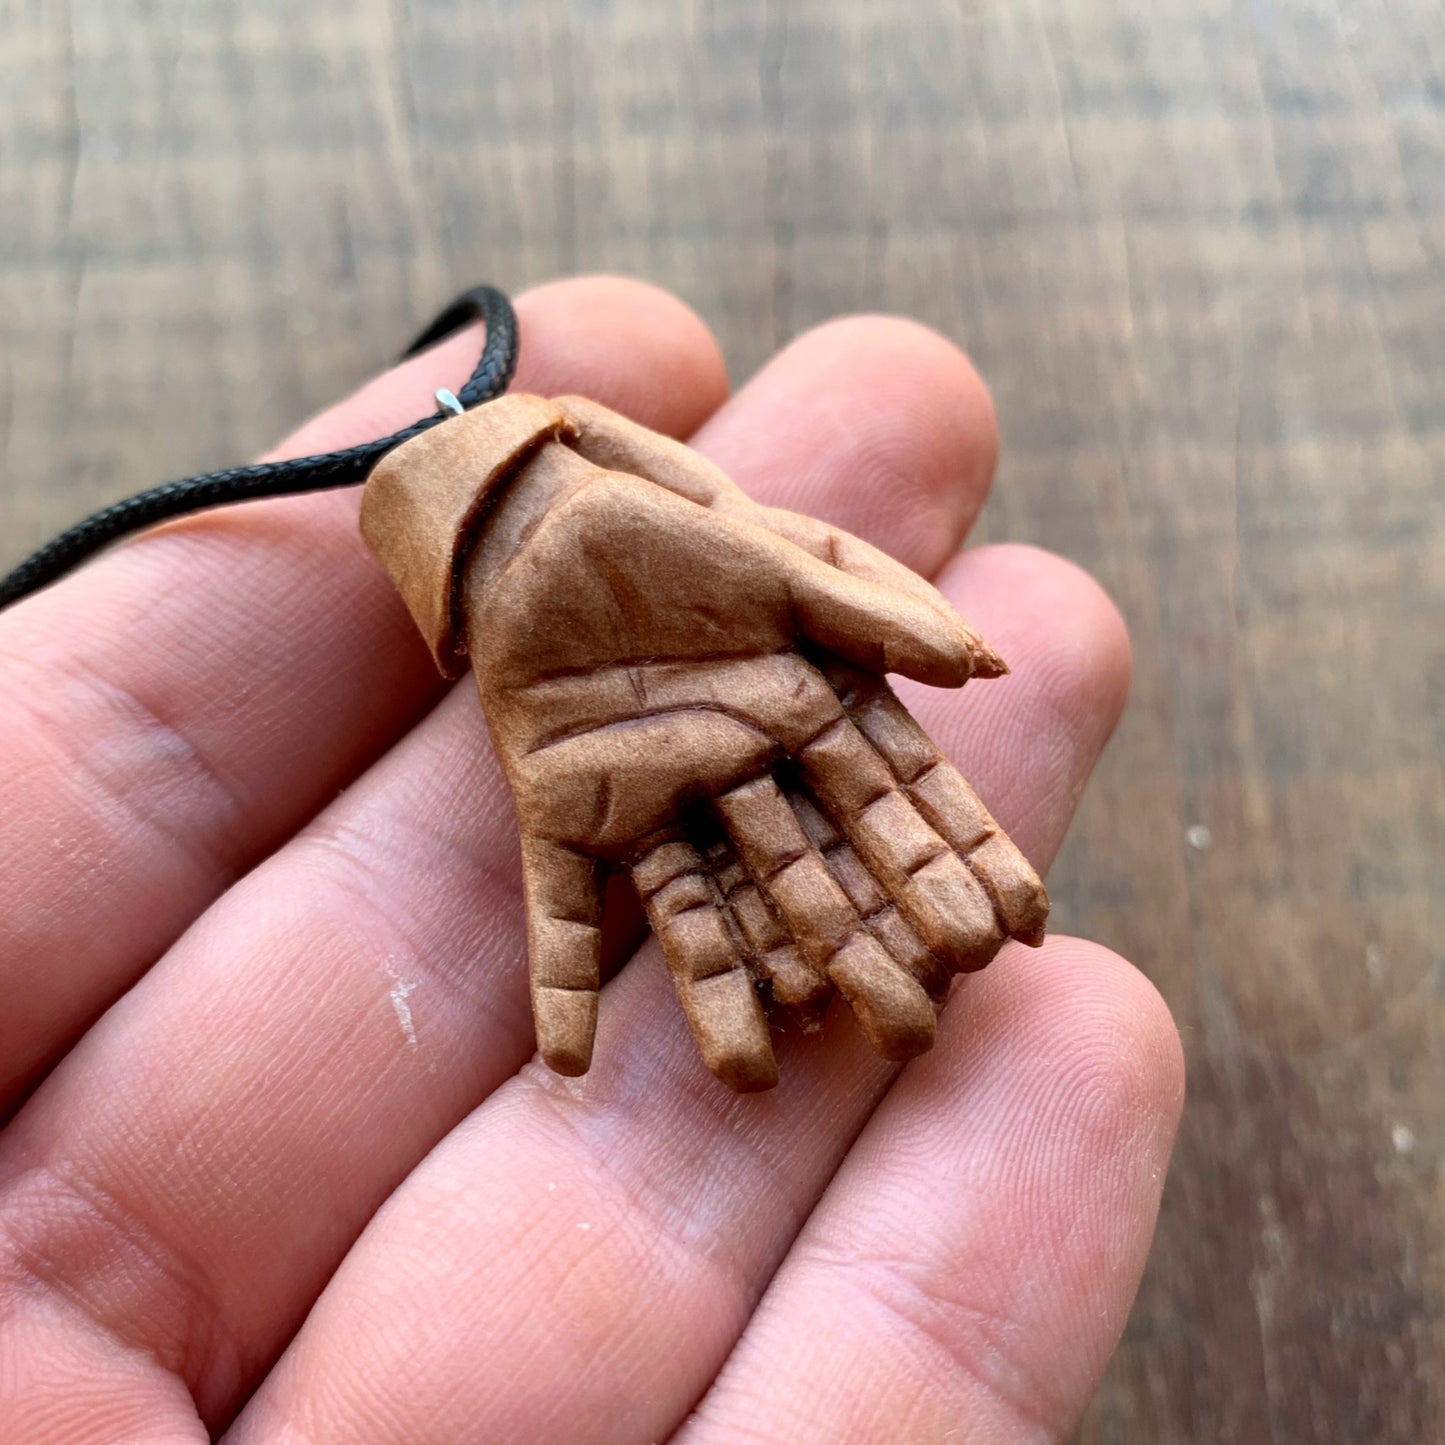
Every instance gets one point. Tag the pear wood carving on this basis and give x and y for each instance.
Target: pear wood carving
(689, 687)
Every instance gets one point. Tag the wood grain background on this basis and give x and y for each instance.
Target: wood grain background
(1196, 247)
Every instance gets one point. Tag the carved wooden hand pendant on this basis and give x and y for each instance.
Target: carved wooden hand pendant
(690, 687)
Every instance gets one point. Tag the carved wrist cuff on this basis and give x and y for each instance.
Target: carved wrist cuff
(426, 502)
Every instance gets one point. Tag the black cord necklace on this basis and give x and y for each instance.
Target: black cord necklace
(345, 468)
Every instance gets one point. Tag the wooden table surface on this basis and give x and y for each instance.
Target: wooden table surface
(1196, 247)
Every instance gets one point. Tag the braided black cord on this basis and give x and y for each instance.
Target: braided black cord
(274, 479)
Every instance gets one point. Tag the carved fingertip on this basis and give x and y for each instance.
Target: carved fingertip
(986, 662)
(901, 1036)
(900, 1046)
(967, 656)
(1033, 940)
(566, 1026)
(1036, 925)
(896, 1015)
(569, 1063)
(748, 1073)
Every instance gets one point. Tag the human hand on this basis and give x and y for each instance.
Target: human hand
(661, 661)
(248, 1013)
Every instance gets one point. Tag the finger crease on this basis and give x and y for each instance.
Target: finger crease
(165, 746)
(781, 866)
(141, 1291)
(943, 852)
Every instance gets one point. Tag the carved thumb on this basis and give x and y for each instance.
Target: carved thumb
(887, 630)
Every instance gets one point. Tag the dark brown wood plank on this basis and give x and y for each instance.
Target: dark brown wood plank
(1196, 248)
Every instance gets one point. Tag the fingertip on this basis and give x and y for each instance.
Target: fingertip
(749, 1074)
(625, 343)
(929, 644)
(731, 1030)
(1085, 1059)
(738, 1050)
(874, 423)
(984, 662)
(944, 423)
(1085, 647)
(1069, 645)
(1127, 1040)
(1030, 1150)
(892, 1008)
(566, 1023)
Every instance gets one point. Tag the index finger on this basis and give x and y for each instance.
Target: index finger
(179, 708)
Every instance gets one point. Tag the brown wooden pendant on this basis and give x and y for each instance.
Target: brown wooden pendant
(690, 687)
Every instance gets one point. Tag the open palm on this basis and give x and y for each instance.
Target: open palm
(278, 1159)
(688, 686)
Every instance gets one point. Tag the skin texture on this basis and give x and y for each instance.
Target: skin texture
(278, 1140)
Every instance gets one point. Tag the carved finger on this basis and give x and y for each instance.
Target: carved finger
(772, 953)
(930, 884)
(846, 552)
(884, 629)
(898, 937)
(689, 917)
(896, 1015)
(564, 944)
(893, 1008)
(776, 852)
(945, 799)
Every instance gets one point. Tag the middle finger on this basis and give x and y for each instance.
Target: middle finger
(248, 1106)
